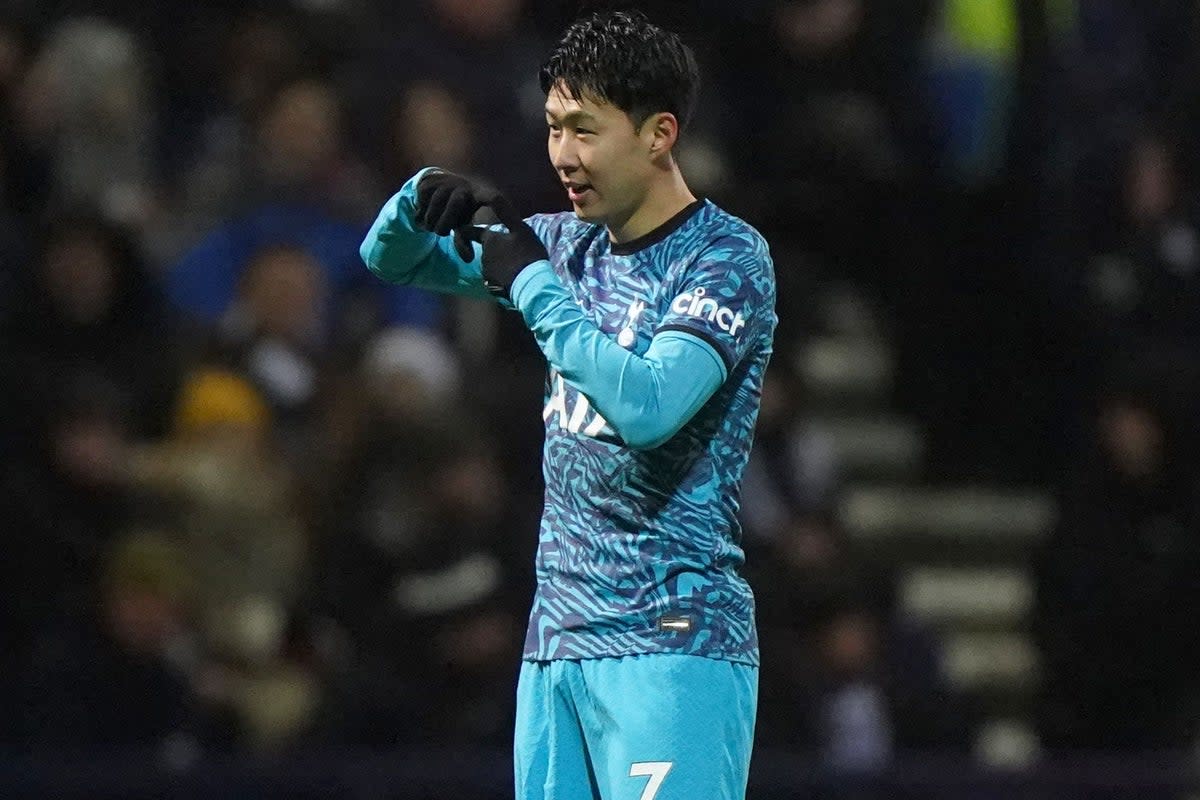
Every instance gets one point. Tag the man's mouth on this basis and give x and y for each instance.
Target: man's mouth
(577, 191)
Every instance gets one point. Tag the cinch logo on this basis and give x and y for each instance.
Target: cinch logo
(695, 304)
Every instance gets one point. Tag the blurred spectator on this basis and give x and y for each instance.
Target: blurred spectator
(283, 143)
(1145, 289)
(14, 53)
(256, 52)
(404, 387)
(463, 604)
(88, 304)
(204, 282)
(854, 723)
(412, 377)
(278, 170)
(1113, 63)
(273, 334)
(468, 690)
(792, 470)
(487, 55)
(259, 676)
(260, 47)
(90, 345)
(230, 492)
(844, 677)
(971, 71)
(231, 498)
(430, 126)
(62, 503)
(840, 79)
(117, 677)
(86, 101)
(1119, 585)
(415, 571)
(24, 172)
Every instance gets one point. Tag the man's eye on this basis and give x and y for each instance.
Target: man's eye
(556, 128)
(583, 132)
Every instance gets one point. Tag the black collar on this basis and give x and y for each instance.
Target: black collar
(658, 234)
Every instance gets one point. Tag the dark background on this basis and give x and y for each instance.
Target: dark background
(267, 523)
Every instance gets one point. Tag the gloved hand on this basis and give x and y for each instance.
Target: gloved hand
(447, 203)
(506, 252)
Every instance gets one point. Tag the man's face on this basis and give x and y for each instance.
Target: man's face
(603, 162)
(284, 291)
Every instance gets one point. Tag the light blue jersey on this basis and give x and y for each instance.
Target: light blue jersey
(639, 548)
(657, 350)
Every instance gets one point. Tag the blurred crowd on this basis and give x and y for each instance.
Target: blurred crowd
(253, 499)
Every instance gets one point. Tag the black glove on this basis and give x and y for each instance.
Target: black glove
(506, 252)
(447, 202)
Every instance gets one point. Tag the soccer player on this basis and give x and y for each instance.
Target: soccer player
(655, 311)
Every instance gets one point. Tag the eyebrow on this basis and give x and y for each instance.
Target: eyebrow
(572, 116)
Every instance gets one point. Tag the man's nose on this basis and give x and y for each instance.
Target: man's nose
(564, 156)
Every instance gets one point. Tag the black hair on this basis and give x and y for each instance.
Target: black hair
(622, 58)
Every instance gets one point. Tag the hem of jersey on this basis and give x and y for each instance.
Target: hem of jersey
(741, 662)
(736, 658)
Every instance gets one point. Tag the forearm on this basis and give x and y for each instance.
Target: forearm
(646, 399)
(396, 251)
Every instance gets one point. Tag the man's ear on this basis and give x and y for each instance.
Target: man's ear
(662, 131)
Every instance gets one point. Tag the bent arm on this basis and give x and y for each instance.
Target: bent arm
(647, 398)
(396, 251)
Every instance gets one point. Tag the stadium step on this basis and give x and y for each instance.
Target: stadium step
(1006, 743)
(962, 551)
(950, 516)
(872, 446)
(967, 598)
(844, 369)
(841, 308)
(991, 662)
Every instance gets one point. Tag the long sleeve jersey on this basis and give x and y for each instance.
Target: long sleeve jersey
(656, 350)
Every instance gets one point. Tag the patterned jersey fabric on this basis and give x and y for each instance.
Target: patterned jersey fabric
(639, 549)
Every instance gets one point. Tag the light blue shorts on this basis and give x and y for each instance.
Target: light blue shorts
(646, 727)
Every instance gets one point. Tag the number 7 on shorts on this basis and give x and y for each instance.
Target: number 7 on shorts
(655, 770)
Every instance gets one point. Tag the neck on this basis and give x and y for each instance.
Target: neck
(666, 197)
